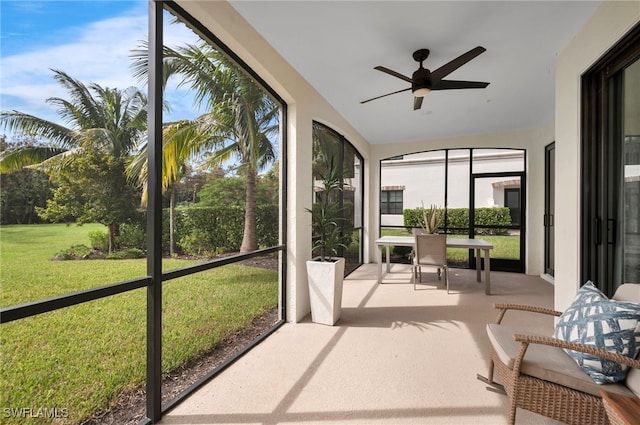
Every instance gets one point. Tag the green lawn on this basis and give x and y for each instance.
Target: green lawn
(79, 359)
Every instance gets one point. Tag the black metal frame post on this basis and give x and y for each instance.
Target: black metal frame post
(154, 214)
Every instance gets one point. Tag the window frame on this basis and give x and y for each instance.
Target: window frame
(388, 203)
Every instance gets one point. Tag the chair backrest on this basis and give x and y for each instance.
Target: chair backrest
(630, 292)
(431, 249)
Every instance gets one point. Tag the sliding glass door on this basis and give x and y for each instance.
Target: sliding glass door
(611, 167)
(549, 208)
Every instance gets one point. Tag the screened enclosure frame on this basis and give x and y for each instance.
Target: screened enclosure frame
(342, 143)
(155, 277)
(497, 263)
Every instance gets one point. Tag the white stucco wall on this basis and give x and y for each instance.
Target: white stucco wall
(608, 24)
(304, 106)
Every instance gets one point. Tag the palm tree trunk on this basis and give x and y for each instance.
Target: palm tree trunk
(172, 207)
(250, 237)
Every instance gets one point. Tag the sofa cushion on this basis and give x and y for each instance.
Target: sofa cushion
(630, 292)
(545, 362)
(633, 381)
(593, 319)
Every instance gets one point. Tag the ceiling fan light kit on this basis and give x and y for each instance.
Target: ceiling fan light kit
(421, 92)
(423, 80)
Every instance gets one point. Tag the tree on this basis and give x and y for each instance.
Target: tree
(232, 191)
(239, 121)
(84, 196)
(103, 125)
(22, 191)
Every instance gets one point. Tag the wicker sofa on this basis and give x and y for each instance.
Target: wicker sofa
(539, 376)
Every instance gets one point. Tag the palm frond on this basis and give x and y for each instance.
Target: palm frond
(16, 159)
(39, 128)
(86, 111)
(55, 164)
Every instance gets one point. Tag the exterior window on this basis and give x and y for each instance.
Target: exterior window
(391, 202)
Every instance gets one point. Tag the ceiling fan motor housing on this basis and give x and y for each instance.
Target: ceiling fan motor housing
(421, 80)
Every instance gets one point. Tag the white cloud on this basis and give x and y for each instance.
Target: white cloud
(98, 53)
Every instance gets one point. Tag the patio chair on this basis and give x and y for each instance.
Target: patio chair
(431, 250)
(538, 375)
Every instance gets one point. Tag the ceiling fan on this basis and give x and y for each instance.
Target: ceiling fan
(423, 81)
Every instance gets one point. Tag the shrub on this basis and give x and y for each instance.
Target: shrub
(99, 240)
(267, 224)
(459, 218)
(130, 253)
(207, 231)
(131, 236)
(78, 252)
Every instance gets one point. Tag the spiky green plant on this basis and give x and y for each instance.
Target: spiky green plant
(431, 218)
(326, 214)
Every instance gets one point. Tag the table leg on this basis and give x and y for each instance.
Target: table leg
(487, 273)
(388, 260)
(478, 266)
(379, 248)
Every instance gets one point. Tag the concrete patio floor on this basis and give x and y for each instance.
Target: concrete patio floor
(396, 356)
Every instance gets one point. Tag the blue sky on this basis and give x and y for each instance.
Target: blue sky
(89, 40)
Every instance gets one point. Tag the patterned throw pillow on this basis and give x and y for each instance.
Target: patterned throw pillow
(594, 319)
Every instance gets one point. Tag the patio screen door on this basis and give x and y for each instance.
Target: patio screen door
(498, 217)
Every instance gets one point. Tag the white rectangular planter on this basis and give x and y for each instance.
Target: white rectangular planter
(325, 289)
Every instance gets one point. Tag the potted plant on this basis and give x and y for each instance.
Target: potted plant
(326, 271)
(430, 220)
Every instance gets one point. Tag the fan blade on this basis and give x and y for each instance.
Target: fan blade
(385, 95)
(417, 102)
(393, 73)
(448, 68)
(455, 84)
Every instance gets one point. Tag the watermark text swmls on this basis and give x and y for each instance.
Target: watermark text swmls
(35, 412)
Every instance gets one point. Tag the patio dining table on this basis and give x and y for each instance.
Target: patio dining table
(410, 241)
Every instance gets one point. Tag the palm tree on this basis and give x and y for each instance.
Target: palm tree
(239, 120)
(243, 123)
(181, 140)
(100, 121)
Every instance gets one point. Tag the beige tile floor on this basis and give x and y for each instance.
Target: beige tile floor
(397, 356)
